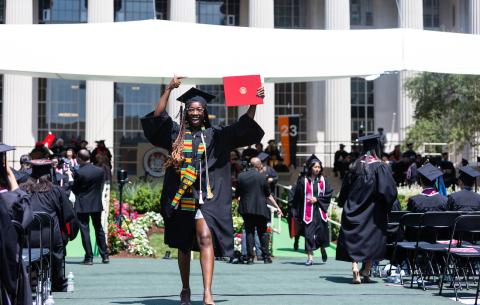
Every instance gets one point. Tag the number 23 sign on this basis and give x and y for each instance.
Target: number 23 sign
(288, 127)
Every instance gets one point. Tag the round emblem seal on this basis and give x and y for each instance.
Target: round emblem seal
(153, 161)
(243, 90)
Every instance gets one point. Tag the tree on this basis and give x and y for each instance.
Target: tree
(447, 109)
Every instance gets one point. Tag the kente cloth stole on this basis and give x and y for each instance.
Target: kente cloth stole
(307, 206)
(188, 174)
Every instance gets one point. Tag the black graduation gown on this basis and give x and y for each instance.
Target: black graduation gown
(464, 200)
(269, 172)
(422, 203)
(13, 206)
(316, 232)
(56, 203)
(161, 131)
(366, 200)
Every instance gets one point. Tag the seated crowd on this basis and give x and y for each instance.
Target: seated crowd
(37, 212)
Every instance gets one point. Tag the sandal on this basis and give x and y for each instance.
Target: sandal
(356, 276)
(185, 297)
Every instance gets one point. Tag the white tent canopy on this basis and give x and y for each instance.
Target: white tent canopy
(153, 51)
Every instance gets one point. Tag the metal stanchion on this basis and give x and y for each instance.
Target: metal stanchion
(122, 179)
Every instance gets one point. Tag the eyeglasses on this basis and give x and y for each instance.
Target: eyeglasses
(195, 110)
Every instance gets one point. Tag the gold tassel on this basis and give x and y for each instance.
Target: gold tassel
(209, 192)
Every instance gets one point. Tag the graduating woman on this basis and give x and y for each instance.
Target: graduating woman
(311, 201)
(52, 199)
(14, 205)
(367, 195)
(197, 193)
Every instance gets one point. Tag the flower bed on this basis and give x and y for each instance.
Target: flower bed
(132, 235)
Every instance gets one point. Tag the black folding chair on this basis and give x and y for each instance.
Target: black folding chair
(38, 260)
(21, 241)
(435, 226)
(408, 222)
(459, 250)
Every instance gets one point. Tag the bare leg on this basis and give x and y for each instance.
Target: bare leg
(184, 267)
(204, 239)
(309, 255)
(356, 273)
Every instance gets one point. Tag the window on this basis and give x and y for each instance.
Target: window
(61, 103)
(219, 12)
(362, 107)
(361, 12)
(2, 11)
(130, 10)
(132, 102)
(62, 11)
(61, 109)
(431, 14)
(290, 14)
(291, 98)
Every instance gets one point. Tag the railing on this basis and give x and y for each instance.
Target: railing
(279, 188)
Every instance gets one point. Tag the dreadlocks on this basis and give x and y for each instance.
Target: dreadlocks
(177, 156)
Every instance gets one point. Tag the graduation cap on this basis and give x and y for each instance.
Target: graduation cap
(263, 156)
(430, 172)
(196, 95)
(312, 159)
(21, 176)
(370, 142)
(41, 167)
(468, 175)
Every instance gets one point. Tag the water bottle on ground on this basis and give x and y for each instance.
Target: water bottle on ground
(70, 282)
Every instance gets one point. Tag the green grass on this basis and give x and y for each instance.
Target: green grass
(156, 241)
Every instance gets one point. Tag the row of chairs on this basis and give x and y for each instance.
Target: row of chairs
(438, 247)
(38, 259)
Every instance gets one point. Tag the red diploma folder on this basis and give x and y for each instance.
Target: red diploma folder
(48, 141)
(242, 90)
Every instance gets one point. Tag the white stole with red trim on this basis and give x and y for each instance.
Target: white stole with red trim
(307, 206)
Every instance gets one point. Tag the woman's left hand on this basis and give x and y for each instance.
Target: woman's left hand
(313, 200)
(261, 92)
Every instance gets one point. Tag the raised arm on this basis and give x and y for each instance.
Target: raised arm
(251, 110)
(162, 103)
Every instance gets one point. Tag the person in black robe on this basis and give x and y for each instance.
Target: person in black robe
(197, 212)
(467, 199)
(253, 193)
(430, 199)
(268, 171)
(51, 199)
(339, 161)
(449, 172)
(311, 200)
(14, 206)
(367, 195)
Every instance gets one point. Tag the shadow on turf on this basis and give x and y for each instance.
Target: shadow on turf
(301, 264)
(341, 279)
(290, 250)
(160, 301)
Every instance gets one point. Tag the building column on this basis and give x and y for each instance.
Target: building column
(337, 91)
(410, 16)
(100, 94)
(474, 17)
(261, 15)
(315, 90)
(18, 103)
(181, 11)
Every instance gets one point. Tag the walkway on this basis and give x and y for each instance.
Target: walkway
(286, 281)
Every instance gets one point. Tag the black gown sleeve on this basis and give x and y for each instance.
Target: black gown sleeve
(160, 130)
(244, 132)
(345, 190)
(386, 187)
(411, 205)
(298, 197)
(64, 207)
(451, 203)
(324, 200)
(266, 188)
